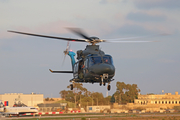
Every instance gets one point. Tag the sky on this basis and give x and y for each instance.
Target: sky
(25, 60)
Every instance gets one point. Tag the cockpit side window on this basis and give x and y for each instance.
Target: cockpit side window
(107, 59)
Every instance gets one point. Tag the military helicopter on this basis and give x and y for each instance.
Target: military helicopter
(92, 65)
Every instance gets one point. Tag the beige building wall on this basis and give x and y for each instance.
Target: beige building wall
(97, 108)
(27, 99)
(166, 100)
(154, 102)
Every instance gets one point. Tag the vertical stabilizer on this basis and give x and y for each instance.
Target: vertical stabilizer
(72, 54)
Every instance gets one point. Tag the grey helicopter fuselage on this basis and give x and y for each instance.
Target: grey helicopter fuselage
(93, 65)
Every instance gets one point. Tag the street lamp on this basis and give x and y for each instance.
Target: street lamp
(92, 98)
(97, 101)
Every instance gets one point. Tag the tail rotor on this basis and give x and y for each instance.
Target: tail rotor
(66, 52)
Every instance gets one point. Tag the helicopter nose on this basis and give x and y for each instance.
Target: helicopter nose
(104, 68)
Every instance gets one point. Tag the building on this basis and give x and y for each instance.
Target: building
(152, 102)
(52, 107)
(166, 100)
(28, 99)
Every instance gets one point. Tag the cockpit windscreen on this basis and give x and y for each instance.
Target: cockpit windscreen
(98, 59)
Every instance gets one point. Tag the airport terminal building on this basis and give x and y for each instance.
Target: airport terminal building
(28, 99)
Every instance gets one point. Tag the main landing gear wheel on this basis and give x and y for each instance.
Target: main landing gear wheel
(71, 86)
(108, 87)
(100, 83)
(104, 84)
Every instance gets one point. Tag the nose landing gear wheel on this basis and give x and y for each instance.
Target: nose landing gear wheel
(100, 83)
(104, 84)
(71, 86)
(108, 87)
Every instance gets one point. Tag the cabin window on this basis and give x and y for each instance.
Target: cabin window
(81, 65)
(76, 68)
(86, 63)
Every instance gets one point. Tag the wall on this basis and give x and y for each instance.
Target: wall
(97, 108)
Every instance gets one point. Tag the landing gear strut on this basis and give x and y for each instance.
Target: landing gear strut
(71, 86)
(109, 87)
(100, 83)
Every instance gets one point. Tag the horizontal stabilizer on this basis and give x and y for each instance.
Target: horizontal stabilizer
(60, 71)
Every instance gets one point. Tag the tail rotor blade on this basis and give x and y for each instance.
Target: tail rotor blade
(67, 49)
(63, 60)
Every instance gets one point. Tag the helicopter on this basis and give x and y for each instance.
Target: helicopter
(92, 65)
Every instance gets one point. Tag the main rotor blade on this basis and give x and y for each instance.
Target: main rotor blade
(134, 38)
(79, 32)
(45, 36)
(129, 41)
